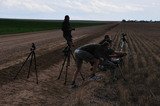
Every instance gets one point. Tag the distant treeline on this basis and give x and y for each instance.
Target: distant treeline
(11, 26)
(142, 21)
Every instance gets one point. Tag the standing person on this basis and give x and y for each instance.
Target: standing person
(94, 53)
(66, 28)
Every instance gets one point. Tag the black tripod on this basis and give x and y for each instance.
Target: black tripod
(67, 53)
(33, 56)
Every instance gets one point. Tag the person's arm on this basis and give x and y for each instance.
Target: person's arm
(102, 41)
(118, 54)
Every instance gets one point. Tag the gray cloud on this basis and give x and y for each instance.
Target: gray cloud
(80, 9)
(26, 5)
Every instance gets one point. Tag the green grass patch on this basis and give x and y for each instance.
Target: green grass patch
(12, 26)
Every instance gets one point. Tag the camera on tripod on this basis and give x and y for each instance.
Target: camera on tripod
(32, 56)
(33, 47)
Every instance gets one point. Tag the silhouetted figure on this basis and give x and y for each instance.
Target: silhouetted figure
(66, 28)
(106, 39)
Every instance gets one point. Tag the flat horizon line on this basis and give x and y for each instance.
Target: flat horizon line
(58, 19)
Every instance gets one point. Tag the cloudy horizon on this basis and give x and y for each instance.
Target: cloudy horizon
(108, 10)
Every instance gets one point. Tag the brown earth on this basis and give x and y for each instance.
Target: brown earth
(141, 69)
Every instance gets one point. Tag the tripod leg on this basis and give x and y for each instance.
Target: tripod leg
(121, 63)
(73, 56)
(121, 72)
(30, 65)
(81, 75)
(68, 63)
(22, 65)
(35, 63)
(66, 75)
(62, 67)
(68, 59)
(129, 51)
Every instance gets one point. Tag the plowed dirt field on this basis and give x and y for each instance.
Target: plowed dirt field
(141, 69)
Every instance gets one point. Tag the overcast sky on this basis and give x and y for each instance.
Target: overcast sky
(81, 9)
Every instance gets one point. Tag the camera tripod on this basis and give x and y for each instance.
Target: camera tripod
(33, 57)
(67, 53)
(120, 65)
(122, 46)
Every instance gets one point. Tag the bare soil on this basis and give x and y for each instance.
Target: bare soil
(15, 49)
(141, 69)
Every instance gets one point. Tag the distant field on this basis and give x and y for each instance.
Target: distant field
(12, 26)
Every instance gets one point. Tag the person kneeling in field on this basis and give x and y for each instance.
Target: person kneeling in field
(106, 39)
(94, 53)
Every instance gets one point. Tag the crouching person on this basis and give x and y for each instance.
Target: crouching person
(93, 53)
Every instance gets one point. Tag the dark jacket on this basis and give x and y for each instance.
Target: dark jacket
(66, 28)
(97, 50)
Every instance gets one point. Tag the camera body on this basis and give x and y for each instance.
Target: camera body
(33, 47)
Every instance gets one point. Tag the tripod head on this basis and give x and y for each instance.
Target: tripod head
(33, 47)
